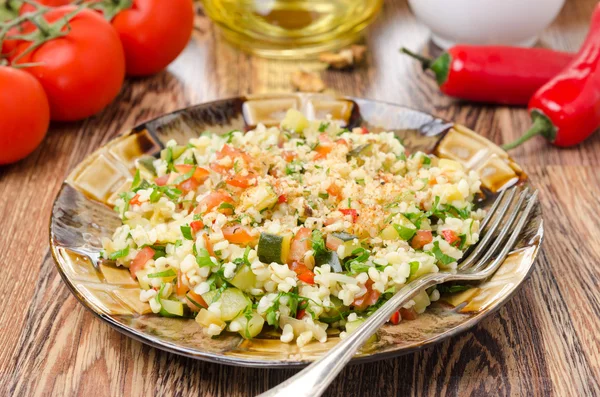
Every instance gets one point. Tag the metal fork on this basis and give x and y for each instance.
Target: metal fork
(314, 379)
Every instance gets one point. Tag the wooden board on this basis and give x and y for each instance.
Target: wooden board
(544, 342)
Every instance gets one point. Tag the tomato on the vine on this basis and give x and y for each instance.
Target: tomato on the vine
(25, 114)
(82, 70)
(153, 32)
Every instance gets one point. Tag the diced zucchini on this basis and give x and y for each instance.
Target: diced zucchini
(421, 301)
(348, 241)
(298, 326)
(285, 247)
(209, 296)
(405, 228)
(260, 197)
(389, 233)
(148, 164)
(359, 150)
(402, 228)
(351, 326)
(177, 151)
(424, 268)
(140, 276)
(171, 308)
(252, 327)
(205, 318)
(270, 248)
(294, 121)
(244, 279)
(233, 302)
(330, 258)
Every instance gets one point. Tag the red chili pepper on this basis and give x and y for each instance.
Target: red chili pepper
(566, 110)
(494, 74)
(282, 199)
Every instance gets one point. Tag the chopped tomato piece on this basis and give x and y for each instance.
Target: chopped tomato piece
(421, 238)
(181, 288)
(282, 199)
(162, 181)
(450, 236)
(288, 155)
(233, 153)
(324, 147)
(395, 319)
(243, 181)
(369, 298)
(408, 314)
(219, 169)
(200, 174)
(193, 300)
(135, 200)
(300, 314)
(196, 226)
(332, 243)
(303, 272)
(212, 200)
(364, 130)
(342, 142)
(140, 260)
(335, 190)
(208, 245)
(238, 234)
(353, 213)
(189, 185)
(299, 246)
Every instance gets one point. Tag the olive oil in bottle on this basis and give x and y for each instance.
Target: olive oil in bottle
(291, 28)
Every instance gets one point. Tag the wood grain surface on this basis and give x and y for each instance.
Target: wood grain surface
(545, 342)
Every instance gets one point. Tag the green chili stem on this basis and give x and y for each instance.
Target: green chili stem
(426, 62)
(540, 127)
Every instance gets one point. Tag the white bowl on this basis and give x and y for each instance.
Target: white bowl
(501, 22)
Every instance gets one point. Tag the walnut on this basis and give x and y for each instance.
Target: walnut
(307, 81)
(346, 58)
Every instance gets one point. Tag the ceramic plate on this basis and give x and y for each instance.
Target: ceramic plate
(82, 214)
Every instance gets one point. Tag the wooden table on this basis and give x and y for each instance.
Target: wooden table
(544, 342)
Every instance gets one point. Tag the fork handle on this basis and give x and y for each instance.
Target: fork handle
(314, 379)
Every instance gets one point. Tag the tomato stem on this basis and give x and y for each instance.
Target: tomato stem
(542, 125)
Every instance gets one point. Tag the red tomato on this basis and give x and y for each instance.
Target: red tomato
(200, 174)
(233, 153)
(238, 234)
(154, 33)
(135, 200)
(197, 226)
(450, 236)
(197, 299)
(364, 130)
(188, 185)
(242, 181)
(81, 72)
(332, 243)
(140, 260)
(300, 244)
(24, 114)
(282, 199)
(421, 238)
(208, 245)
(324, 147)
(300, 314)
(181, 288)
(408, 314)
(214, 199)
(162, 180)
(351, 212)
(288, 155)
(395, 319)
(335, 190)
(369, 298)
(303, 272)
